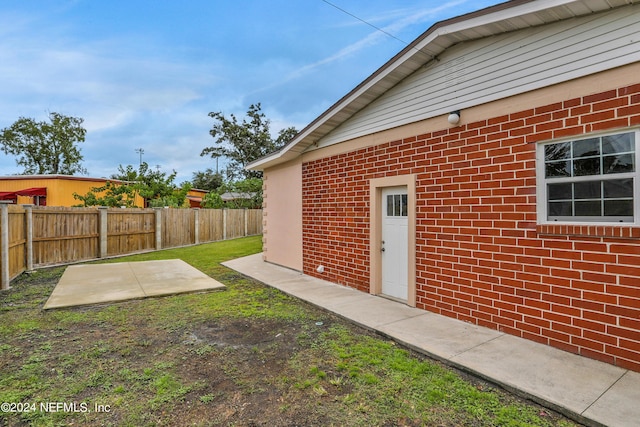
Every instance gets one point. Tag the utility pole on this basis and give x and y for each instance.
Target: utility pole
(141, 152)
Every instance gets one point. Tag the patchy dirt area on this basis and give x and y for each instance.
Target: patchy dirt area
(247, 356)
(244, 366)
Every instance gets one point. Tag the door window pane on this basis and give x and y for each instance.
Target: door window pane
(396, 204)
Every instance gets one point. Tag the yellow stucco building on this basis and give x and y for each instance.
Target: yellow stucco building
(50, 190)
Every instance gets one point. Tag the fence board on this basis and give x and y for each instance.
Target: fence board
(235, 223)
(17, 241)
(254, 222)
(62, 235)
(130, 230)
(210, 226)
(178, 227)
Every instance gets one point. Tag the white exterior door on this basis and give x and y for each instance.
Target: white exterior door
(395, 242)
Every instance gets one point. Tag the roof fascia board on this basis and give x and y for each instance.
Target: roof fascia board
(525, 8)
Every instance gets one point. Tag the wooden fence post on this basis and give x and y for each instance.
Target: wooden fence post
(246, 223)
(224, 223)
(28, 223)
(158, 212)
(4, 245)
(196, 226)
(102, 231)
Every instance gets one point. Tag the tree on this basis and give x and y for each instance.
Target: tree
(212, 200)
(244, 142)
(251, 187)
(207, 180)
(110, 194)
(128, 173)
(46, 147)
(249, 192)
(155, 186)
(176, 199)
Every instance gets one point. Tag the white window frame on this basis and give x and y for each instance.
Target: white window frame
(542, 181)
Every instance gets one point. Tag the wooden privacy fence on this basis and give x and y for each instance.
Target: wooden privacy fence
(35, 236)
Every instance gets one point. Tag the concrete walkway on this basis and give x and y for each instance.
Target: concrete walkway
(87, 284)
(590, 392)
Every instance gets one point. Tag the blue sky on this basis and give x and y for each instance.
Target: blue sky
(145, 74)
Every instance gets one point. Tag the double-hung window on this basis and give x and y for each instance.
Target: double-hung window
(590, 179)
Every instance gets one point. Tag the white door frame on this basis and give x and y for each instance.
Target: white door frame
(375, 232)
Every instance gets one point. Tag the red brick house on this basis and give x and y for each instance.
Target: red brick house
(488, 172)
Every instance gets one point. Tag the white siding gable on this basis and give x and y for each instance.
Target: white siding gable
(492, 68)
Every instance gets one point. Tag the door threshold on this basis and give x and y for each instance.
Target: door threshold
(394, 299)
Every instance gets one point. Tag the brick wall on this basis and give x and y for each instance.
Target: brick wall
(480, 257)
(335, 218)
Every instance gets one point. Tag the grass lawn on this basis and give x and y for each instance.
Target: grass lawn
(246, 356)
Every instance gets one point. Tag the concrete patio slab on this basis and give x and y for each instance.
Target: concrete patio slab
(88, 284)
(591, 392)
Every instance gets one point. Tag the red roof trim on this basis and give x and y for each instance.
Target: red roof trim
(35, 191)
(7, 195)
